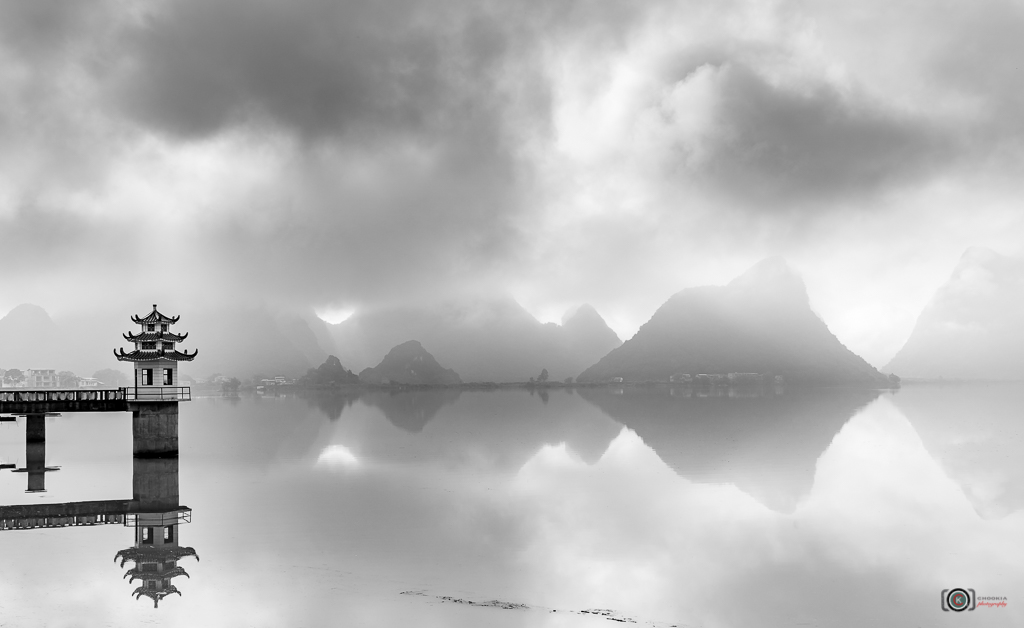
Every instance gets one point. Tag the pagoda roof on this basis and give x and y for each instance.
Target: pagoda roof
(152, 336)
(156, 594)
(138, 574)
(155, 354)
(154, 554)
(155, 317)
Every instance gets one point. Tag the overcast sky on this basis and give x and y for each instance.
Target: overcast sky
(353, 154)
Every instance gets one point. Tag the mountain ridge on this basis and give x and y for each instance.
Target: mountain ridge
(760, 322)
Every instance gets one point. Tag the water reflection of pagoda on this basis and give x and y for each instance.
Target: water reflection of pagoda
(156, 518)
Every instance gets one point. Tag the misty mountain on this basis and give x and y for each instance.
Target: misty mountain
(485, 340)
(30, 339)
(971, 329)
(767, 446)
(761, 322)
(330, 374)
(409, 363)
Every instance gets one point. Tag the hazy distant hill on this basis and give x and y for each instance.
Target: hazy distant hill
(232, 340)
(30, 339)
(761, 322)
(486, 340)
(409, 363)
(972, 327)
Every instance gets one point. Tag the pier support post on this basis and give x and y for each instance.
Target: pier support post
(155, 429)
(35, 466)
(35, 428)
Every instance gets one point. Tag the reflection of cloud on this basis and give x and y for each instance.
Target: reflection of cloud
(337, 456)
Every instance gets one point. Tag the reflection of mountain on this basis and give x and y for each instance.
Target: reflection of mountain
(767, 446)
(761, 322)
(492, 430)
(974, 432)
(331, 402)
(411, 410)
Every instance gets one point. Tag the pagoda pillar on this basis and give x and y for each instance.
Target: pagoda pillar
(155, 484)
(155, 429)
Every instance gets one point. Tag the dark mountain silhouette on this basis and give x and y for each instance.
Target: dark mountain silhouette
(486, 340)
(767, 445)
(330, 374)
(409, 363)
(971, 329)
(761, 322)
(30, 339)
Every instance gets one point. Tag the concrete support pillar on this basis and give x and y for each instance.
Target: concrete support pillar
(155, 484)
(35, 428)
(35, 466)
(155, 429)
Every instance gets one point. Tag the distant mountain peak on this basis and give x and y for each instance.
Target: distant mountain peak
(772, 278)
(409, 363)
(28, 310)
(581, 312)
(761, 322)
(970, 329)
(979, 255)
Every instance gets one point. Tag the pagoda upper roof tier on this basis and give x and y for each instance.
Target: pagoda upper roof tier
(145, 356)
(153, 336)
(155, 317)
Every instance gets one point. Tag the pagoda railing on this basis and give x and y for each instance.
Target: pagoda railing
(21, 395)
(159, 393)
(181, 515)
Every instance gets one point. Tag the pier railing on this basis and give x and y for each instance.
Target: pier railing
(159, 393)
(78, 394)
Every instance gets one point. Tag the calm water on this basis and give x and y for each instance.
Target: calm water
(823, 509)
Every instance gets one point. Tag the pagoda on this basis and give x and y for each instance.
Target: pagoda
(156, 515)
(156, 358)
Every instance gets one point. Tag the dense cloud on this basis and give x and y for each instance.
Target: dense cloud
(777, 145)
(367, 153)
